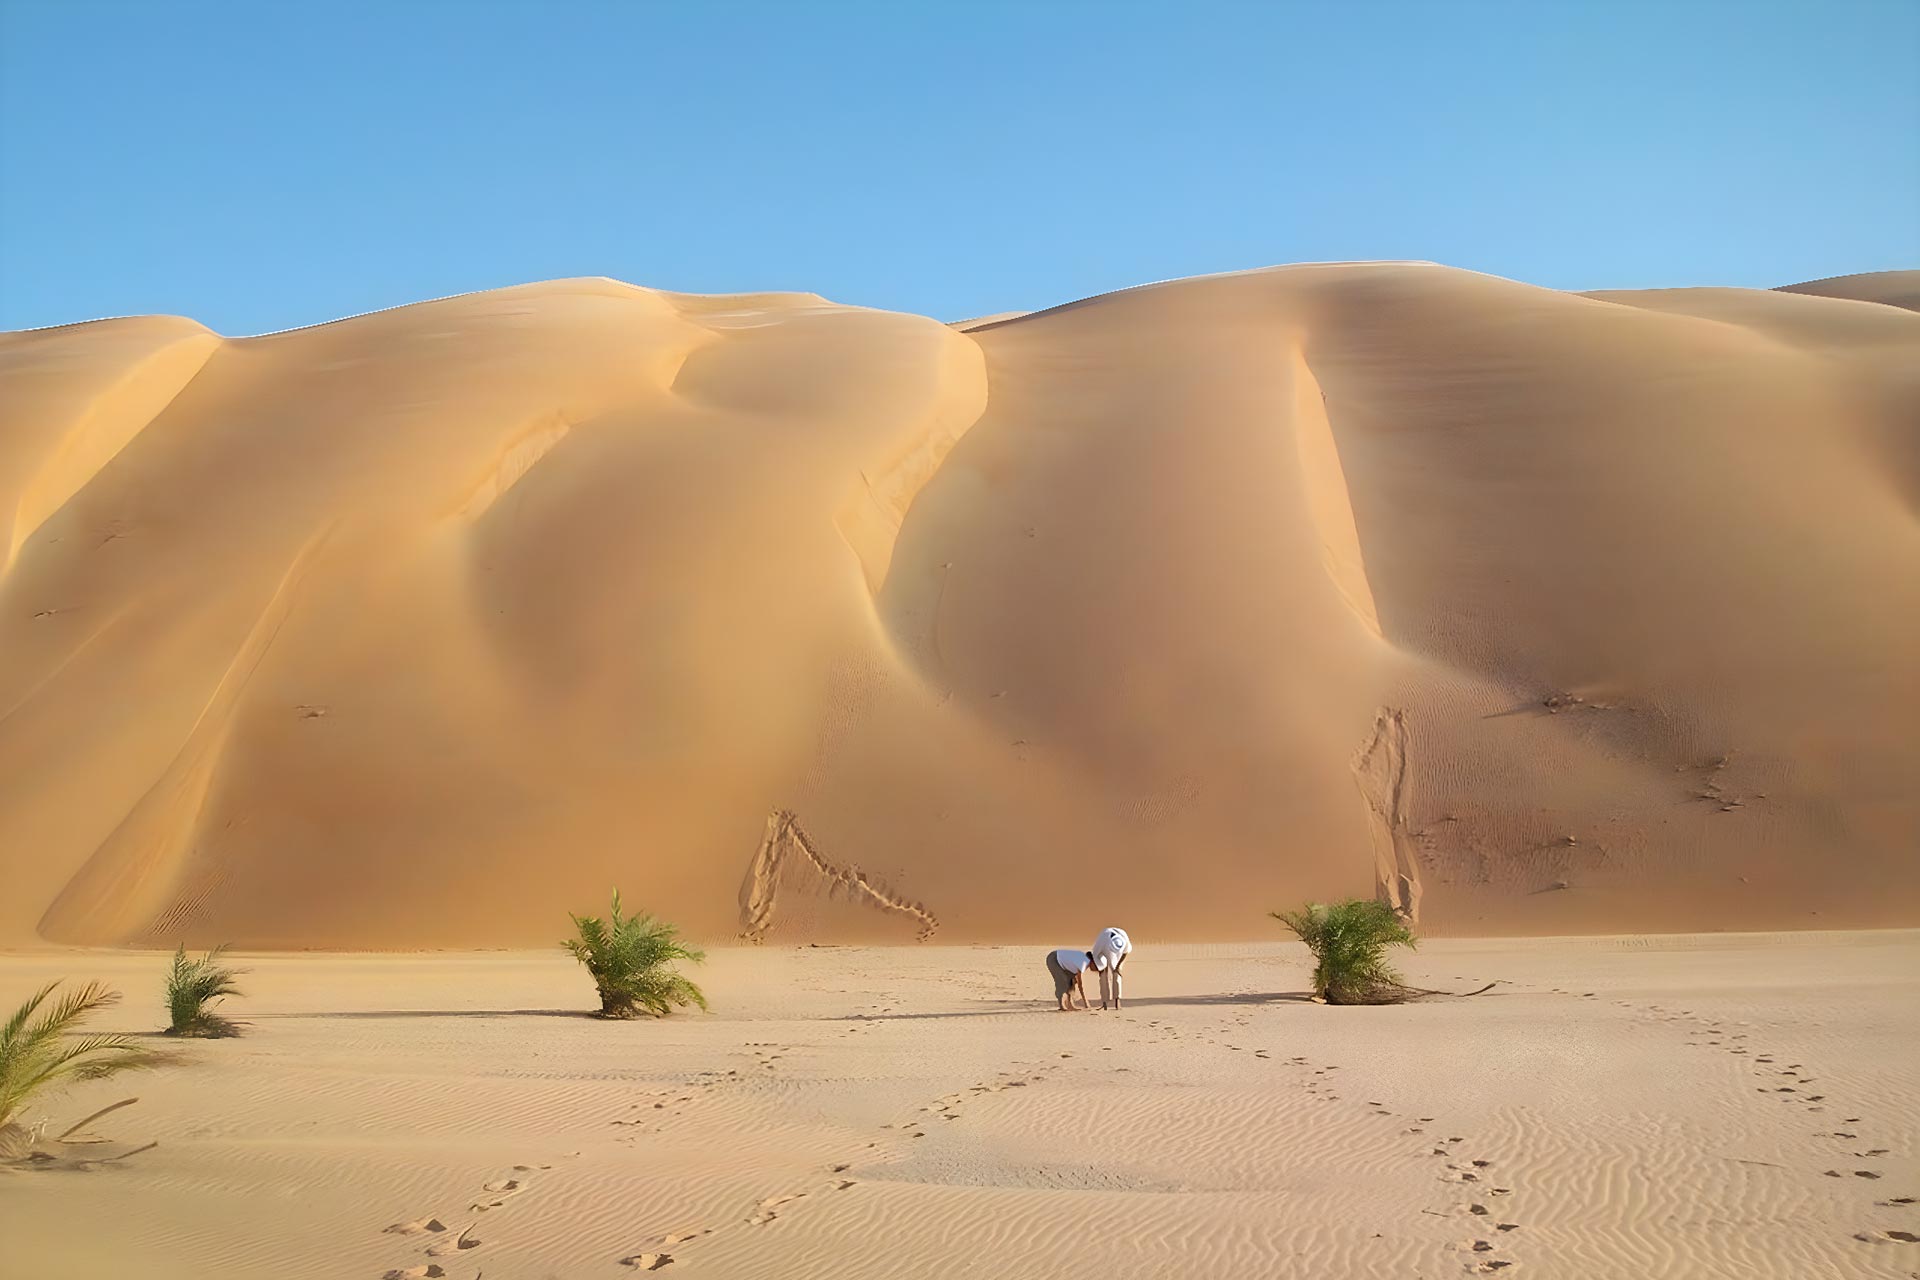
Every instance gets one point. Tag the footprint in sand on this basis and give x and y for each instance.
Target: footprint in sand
(418, 1227)
(502, 1190)
(648, 1261)
(459, 1244)
(1886, 1237)
(425, 1271)
(767, 1210)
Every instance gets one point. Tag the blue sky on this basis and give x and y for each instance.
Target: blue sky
(264, 165)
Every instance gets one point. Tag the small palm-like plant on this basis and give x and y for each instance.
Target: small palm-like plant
(190, 985)
(631, 959)
(1349, 942)
(40, 1050)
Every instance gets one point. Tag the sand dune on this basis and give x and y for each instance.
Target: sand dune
(1894, 288)
(1616, 1107)
(1533, 612)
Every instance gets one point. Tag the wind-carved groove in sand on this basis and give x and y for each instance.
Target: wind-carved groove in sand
(514, 461)
(870, 519)
(786, 840)
(111, 421)
(135, 875)
(1381, 772)
(1329, 501)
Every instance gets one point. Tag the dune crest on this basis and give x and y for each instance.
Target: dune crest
(1529, 612)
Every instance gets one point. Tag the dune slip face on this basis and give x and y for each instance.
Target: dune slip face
(1528, 612)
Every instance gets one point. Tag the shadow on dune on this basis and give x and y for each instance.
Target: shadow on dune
(444, 1013)
(986, 1009)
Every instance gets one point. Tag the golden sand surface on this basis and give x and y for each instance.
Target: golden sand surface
(1699, 1106)
(1530, 612)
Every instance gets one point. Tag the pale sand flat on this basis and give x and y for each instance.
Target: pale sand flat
(1565, 1135)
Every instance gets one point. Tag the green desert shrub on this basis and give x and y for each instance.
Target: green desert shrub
(41, 1050)
(631, 959)
(1349, 942)
(190, 986)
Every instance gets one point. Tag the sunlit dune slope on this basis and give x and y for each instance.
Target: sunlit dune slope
(1529, 611)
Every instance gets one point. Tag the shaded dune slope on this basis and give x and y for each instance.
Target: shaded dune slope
(1528, 611)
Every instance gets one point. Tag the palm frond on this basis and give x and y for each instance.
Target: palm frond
(18, 1021)
(40, 1051)
(1349, 942)
(191, 985)
(630, 959)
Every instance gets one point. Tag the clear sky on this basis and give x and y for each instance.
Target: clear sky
(273, 163)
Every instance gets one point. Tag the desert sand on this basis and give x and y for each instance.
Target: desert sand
(1529, 612)
(1683, 1107)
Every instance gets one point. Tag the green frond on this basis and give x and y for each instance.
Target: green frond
(630, 959)
(194, 983)
(18, 1021)
(1349, 942)
(39, 1050)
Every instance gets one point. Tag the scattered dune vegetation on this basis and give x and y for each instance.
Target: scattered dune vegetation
(1349, 941)
(43, 1049)
(632, 959)
(193, 985)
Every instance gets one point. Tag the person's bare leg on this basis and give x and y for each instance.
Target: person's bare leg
(1116, 981)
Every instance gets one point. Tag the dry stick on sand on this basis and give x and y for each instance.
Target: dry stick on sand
(124, 1102)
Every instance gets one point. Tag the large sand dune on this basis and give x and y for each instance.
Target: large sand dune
(1533, 612)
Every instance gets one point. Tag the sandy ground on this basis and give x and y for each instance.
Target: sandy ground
(1687, 1106)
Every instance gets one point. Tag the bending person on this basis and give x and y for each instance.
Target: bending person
(1110, 951)
(1068, 966)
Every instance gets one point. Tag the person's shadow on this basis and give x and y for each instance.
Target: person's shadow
(1001, 1008)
